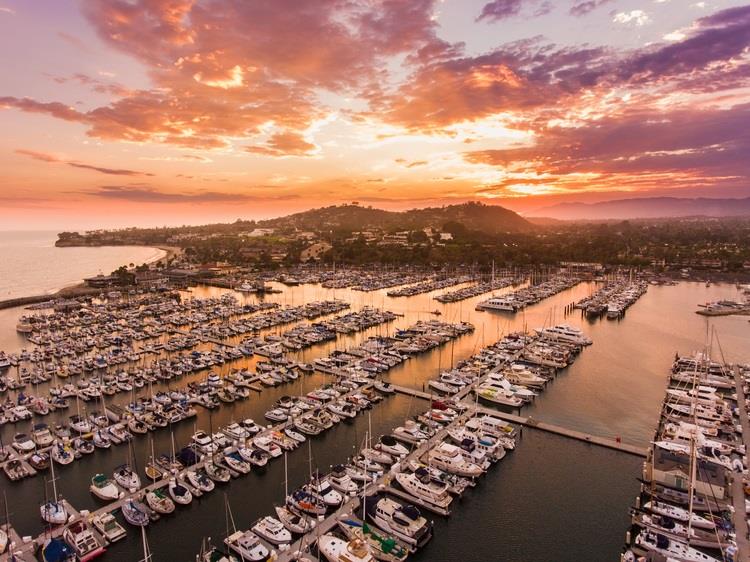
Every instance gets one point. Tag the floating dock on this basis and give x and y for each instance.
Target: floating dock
(533, 423)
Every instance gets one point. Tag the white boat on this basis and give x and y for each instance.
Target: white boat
(127, 478)
(272, 530)
(108, 527)
(341, 481)
(673, 550)
(390, 445)
(499, 395)
(159, 502)
(179, 493)
(247, 545)
(322, 487)
(103, 488)
(679, 514)
(23, 443)
(450, 458)
(296, 522)
(403, 521)
(200, 481)
(83, 541)
(565, 334)
(420, 485)
(505, 304)
(53, 512)
(338, 550)
(410, 433)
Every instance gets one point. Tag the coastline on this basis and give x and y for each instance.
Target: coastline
(79, 289)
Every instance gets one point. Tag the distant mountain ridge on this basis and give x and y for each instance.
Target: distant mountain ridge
(474, 216)
(647, 207)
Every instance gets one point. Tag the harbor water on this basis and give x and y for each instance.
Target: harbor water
(552, 499)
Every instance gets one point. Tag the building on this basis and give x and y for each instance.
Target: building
(104, 281)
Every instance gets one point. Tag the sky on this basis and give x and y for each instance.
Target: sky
(119, 113)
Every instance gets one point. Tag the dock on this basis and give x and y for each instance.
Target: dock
(738, 486)
(17, 550)
(381, 486)
(606, 442)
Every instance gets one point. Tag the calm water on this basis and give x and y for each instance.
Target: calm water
(552, 499)
(32, 265)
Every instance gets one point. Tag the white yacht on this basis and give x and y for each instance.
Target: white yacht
(272, 530)
(247, 545)
(420, 485)
(341, 481)
(338, 550)
(565, 334)
(404, 522)
(410, 433)
(322, 487)
(505, 304)
(450, 458)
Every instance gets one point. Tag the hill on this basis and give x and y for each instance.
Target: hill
(647, 207)
(491, 219)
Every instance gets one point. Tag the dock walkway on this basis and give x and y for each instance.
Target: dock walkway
(535, 424)
(738, 488)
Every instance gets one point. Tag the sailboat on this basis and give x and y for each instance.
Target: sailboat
(294, 520)
(53, 511)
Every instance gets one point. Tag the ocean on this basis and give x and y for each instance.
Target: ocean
(31, 264)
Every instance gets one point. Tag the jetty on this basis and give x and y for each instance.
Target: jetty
(528, 421)
(738, 486)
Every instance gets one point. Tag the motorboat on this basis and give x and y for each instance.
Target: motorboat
(341, 481)
(339, 550)
(247, 545)
(104, 488)
(272, 530)
(421, 485)
(83, 540)
(403, 521)
(23, 443)
(107, 526)
(389, 444)
(450, 458)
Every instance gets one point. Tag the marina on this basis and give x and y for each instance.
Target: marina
(348, 364)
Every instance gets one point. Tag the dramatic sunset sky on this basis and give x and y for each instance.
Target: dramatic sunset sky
(148, 112)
